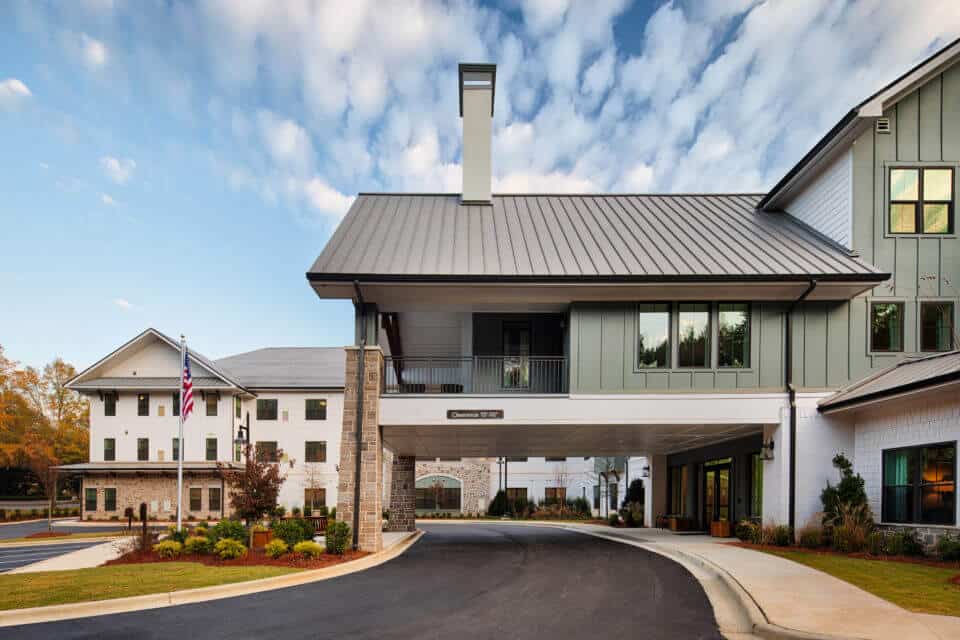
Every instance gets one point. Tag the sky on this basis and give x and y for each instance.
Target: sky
(180, 164)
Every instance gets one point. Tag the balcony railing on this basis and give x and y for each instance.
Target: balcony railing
(478, 374)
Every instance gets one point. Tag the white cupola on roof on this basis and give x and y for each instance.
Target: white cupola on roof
(477, 84)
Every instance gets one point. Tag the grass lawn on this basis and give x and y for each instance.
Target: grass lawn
(65, 536)
(915, 587)
(101, 583)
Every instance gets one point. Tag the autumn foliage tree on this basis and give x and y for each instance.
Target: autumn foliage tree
(255, 486)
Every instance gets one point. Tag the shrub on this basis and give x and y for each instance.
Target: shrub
(295, 512)
(198, 544)
(581, 506)
(279, 511)
(910, 543)
(948, 548)
(275, 548)
(851, 526)
(200, 531)
(613, 519)
(499, 505)
(308, 549)
(877, 543)
(168, 549)
(782, 535)
(850, 492)
(746, 530)
(322, 510)
(179, 535)
(307, 511)
(292, 530)
(229, 549)
(333, 513)
(338, 537)
(114, 518)
(811, 536)
(232, 529)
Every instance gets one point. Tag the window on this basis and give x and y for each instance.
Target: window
(555, 495)
(548, 459)
(214, 497)
(314, 498)
(316, 409)
(110, 404)
(596, 497)
(175, 448)
(143, 449)
(886, 326)
(919, 484)
(175, 402)
(267, 409)
(612, 490)
(109, 449)
(212, 401)
(196, 499)
(516, 458)
(936, 326)
(756, 486)
(678, 489)
(921, 200)
(693, 325)
(516, 493)
(267, 452)
(90, 499)
(143, 404)
(653, 336)
(733, 335)
(237, 406)
(211, 449)
(110, 499)
(315, 451)
(438, 493)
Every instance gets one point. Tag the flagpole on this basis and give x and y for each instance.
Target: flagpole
(180, 447)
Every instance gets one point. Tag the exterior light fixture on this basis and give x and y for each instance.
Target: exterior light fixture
(645, 471)
(766, 450)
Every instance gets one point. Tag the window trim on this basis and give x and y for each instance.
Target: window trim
(306, 456)
(323, 408)
(106, 501)
(708, 348)
(146, 398)
(953, 325)
(147, 459)
(190, 491)
(276, 409)
(903, 322)
(107, 397)
(669, 364)
(918, 204)
(749, 338)
(206, 449)
(883, 486)
(113, 457)
(215, 506)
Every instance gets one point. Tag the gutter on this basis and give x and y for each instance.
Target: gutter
(358, 420)
(378, 278)
(792, 395)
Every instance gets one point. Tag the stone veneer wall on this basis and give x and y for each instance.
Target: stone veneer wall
(928, 418)
(157, 491)
(473, 473)
(403, 494)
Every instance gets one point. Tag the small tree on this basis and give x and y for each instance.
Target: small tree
(255, 486)
(42, 460)
(849, 493)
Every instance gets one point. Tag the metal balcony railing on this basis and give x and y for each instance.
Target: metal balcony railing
(477, 374)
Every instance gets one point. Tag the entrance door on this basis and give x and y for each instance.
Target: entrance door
(716, 492)
(516, 352)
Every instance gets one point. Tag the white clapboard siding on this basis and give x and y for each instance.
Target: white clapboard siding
(826, 203)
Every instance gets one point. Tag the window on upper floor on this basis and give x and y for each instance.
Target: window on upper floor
(653, 336)
(921, 200)
(315, 451)
(919, 484)
(693, 325)
(212, 401)
(267, 409)
(110, 404)
(551, 459)
(733, 335)
(175, 448)
(936, 326)
(143, 404)
(143, 449)
(315, 409)
(109, 449)
(267, 452)
(237, 408)
(886, 326)
(211, 449)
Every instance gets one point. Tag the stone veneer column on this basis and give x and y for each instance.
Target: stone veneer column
(403, 494)
(371, 452)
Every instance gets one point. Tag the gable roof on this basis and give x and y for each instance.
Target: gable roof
(858, 118)
(288, 368)
(911, 374)
(538, 238)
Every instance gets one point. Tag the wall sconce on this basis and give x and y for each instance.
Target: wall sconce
(766, 450)
(645, 471)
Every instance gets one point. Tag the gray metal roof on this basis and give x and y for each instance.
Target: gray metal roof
(145, 383)
(906, 375)
(145, 466)
(579, 237)
(288, 367)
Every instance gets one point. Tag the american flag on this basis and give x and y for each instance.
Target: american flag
(186, 393)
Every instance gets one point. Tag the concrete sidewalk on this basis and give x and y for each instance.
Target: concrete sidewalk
(795, 597)
(81, 559)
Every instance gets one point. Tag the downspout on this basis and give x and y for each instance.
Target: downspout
(792, 395)
(358, 420)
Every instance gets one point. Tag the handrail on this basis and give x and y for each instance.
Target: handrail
(506, 374)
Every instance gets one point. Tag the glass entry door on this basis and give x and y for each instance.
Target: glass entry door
(516, 352)
(716, 492)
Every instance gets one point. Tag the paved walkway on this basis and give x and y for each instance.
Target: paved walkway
(14, 559)
(797, 597)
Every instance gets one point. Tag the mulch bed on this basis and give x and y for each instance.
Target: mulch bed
(253, 558)
(48, 534)
(861, 555)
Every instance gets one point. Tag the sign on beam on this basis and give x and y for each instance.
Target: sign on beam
(474, 414)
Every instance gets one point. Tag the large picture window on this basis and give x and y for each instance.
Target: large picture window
(936, 326)
(653, 336)
(921, 200)
(438, 493)
(693, 324)
(919, 484)
(886, 326)
(733, 335)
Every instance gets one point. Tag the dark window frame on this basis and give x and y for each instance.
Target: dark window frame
(175, 403)
(748, 351)
(320, 445)
(916, 506)
(110, 404)
(708, 337)
(108, 503)
(87, 492)
(214, 504)
(113, 450)
(143, 404)
(260, 451)
(317, 413)
(262, 408)
(903, 313)
(216, 443)
(175, 449)
(668, 356)
(199, 498)
(212, 402)
(311, 501)
(146, 446)
(953, 318)
(920, 201)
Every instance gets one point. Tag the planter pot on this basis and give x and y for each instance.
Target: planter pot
(261, 538)
(720, 529)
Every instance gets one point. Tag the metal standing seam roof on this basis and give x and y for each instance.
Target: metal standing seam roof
(576, 237)
(288, 367)
(908, 374)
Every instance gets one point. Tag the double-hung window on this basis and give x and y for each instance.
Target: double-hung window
(143, 404)
(315, 409)
(196, 499)
(109, 449)
(315, 451)
(886, 326)
(110, 404)
(267, 409)
(921, 200)
(267, 452)
(143, 449)
(110, 499)
(90, 499)
(920, 484)
(936, 326)
(212, 401)
(211, 449)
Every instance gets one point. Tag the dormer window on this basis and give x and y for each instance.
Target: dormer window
(921, 200)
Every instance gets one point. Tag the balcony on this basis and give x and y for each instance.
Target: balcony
(483, 375)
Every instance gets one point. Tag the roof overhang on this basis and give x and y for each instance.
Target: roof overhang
(948, 381)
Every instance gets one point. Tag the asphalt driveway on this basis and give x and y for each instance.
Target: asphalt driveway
(458, 581)
(15, 557)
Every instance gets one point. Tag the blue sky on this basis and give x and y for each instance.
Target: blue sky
(181, 164)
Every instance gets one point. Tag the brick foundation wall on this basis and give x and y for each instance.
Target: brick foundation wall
(403, 494)
(157, 491)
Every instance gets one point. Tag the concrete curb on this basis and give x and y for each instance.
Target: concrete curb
(53, 613)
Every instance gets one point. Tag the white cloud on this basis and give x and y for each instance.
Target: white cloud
(44, 166)
(13, 92)
(638, 179)
(120, 170)
(93, 50)
(286, 141)
(325, 198)
(553, 182)
(124, 304)
(107, 200)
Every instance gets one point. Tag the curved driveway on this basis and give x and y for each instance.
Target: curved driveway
(458, 581)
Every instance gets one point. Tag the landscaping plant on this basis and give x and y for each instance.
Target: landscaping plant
(499, 505)
(746, 530)
(198, 545)
(308, 549)
(168, 549)
(180, 535)
(232, 529)
(338, 537)
(811, 536)
(230, 549)
(275, 548)
(614, 519)
(851, 526)
(850, 492)
(292, 530)
(948, 548)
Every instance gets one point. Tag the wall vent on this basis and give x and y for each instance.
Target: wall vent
(883, 125)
